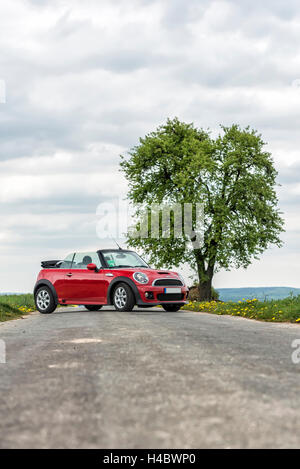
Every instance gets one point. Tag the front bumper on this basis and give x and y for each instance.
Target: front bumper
(158, 295)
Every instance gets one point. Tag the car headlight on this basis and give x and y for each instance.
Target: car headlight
(140, 277)
(182, 279)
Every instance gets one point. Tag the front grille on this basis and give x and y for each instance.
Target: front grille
(170, 296)
(165, 282)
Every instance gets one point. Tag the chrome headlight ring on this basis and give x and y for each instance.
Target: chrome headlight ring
(140, 277)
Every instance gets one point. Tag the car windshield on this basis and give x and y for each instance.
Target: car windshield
(123, 259)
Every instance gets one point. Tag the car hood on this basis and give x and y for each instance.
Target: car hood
(151, 273)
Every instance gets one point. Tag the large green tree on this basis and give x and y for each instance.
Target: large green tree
(232, 175)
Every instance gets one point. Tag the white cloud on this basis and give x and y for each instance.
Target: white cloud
(85, 80)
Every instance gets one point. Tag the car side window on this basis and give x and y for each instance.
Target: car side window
(82, 259)
(67, 262)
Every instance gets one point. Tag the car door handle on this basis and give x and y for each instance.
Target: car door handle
(109, 275)
(69, 275)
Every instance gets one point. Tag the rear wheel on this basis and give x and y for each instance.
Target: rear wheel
(44, 300)
(172, 308)
(93, 307)
(123, 297)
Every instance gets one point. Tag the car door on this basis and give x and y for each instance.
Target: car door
(86, 286)
(60, 277)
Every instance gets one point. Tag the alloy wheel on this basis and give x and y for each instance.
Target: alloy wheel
(120, 297)
(43, 300)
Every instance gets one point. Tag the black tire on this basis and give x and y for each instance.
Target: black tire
(123, 297)
(44, 300)
(93, 307)
(172, 308)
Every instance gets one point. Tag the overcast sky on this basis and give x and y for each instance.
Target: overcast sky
(84, 80)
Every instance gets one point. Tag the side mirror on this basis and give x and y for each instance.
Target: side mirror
(91, 267)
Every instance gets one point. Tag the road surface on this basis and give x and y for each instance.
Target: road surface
(148, 379)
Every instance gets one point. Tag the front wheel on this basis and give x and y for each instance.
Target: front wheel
(123, 298)
(93, 307)
(44, 300)
(172, 308)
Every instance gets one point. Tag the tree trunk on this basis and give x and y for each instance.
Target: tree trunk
(205, 290)
(205, 276)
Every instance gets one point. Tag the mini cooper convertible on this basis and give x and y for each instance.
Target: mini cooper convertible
(107, 277)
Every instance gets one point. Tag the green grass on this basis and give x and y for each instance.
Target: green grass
(14, 306)
(286, 310)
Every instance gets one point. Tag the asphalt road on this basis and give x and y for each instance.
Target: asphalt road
(146, 379)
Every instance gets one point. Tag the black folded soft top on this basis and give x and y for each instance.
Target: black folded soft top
(50, 264)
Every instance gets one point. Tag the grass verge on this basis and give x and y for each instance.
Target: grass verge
(287, 310)
(14, 306)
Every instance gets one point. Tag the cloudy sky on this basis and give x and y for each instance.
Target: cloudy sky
(82, 81)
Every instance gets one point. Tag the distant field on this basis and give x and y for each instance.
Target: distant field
(286, 310)
(14, 306)
(260, 293)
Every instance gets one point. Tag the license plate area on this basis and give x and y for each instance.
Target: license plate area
(172, 290)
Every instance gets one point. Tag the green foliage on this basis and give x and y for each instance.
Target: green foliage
(232, 176)
(287, 310)
(14, 306)
(214, 294)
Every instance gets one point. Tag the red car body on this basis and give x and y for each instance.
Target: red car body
(96, 286)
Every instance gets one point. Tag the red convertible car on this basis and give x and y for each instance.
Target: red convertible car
(107, 277)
